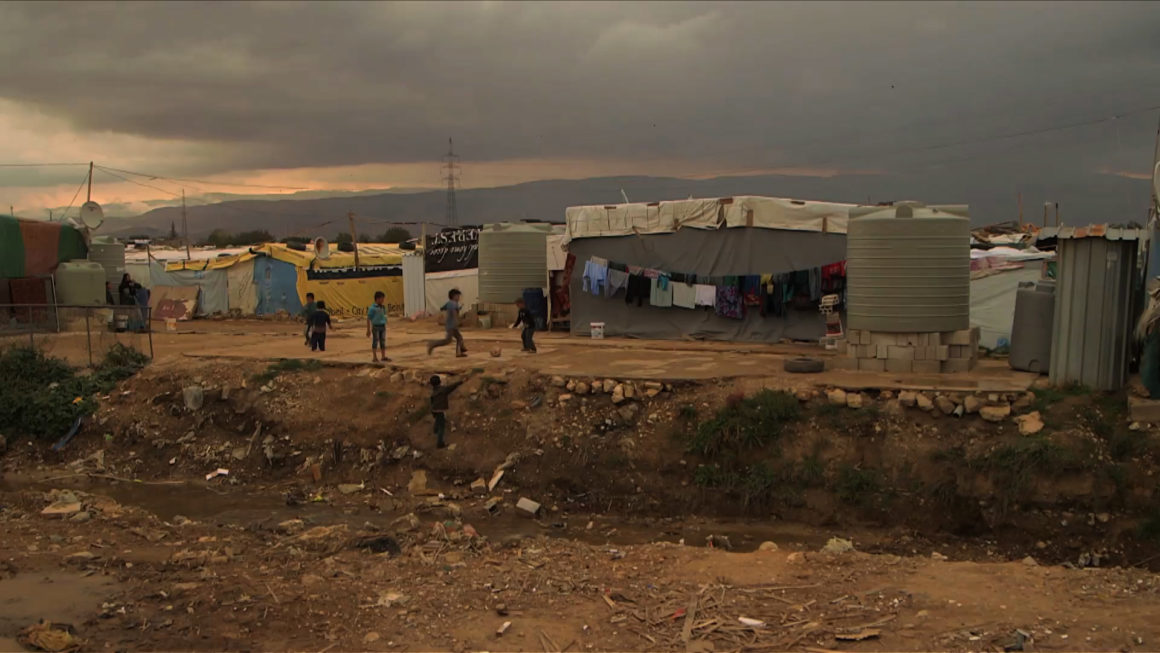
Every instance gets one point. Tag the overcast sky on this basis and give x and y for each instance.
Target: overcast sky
(365, 95)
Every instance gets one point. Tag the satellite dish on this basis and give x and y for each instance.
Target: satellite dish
(91, 215)
(321, 248)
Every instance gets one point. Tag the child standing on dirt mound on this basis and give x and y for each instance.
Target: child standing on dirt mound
(451, 325)
(440, 395)
(525, 318)
(377, 327)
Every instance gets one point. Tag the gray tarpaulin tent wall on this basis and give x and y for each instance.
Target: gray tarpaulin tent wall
(213, 295)
(717, 237)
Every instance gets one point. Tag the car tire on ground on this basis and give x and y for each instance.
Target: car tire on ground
(804, 365)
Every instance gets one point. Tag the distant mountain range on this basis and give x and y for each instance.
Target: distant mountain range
(1090, 198)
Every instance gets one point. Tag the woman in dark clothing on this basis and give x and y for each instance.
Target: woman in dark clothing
(128, 290)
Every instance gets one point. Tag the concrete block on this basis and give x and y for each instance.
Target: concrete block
(960, 337)
(527, 508)
(899, 366)
(939, 352)
(880, 338)
(882, 351)
(851, 350)
(920, 353)
(900, 352)
(926, 367)
(872, 364)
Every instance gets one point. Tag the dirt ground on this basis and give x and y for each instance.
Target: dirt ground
(559, 353)
(340, 527)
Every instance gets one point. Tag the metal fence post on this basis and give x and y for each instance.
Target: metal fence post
(149, 328)
(89, 337)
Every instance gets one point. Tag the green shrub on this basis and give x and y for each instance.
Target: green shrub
(43, 396)
(745, 423)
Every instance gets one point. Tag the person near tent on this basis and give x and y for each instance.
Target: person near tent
(525, 318)
(451, 325)
(307, 311)
(377, 327)
(127, 291)
(109, 293)
(141, 315)
(319, 323)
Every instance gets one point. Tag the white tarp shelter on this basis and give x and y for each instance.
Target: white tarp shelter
(716, 213)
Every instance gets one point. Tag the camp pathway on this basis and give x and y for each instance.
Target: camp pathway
(563, 355)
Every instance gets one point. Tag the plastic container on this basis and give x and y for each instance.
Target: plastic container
(597, 330)
(1031, 328)
(80, 283)
(908, 268)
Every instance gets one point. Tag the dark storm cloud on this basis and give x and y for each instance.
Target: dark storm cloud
(747, 84)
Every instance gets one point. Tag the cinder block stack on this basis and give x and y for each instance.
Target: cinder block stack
(919, 353)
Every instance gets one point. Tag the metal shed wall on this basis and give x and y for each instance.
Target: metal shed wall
(1094, 309)
(414, 287)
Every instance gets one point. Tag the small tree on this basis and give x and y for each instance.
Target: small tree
(395, 235)
(172, 231)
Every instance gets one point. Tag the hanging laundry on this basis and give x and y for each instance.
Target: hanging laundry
(650, 273)
(815, 277)
(729, 303)
(617, 281)
(661, 292)
(751, 290)
(706, 295)
(684, 294)
(595, 275)
(639, 288)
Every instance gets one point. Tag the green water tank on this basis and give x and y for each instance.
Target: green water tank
(80, 283)
(908, 268)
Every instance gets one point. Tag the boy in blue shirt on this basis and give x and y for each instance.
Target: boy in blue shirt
(377, 327)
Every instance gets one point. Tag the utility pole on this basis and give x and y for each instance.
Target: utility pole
(185, 225)
(451, 175)
(353, 237)
(89, 196)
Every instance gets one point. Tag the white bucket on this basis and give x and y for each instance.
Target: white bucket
(171, 324)
(597, 330)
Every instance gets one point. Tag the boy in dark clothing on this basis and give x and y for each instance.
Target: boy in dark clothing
(307, 311)
(439, 405)
(525, 318)
(319, 324)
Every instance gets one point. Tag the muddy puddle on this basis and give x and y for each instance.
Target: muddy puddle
(59, 597)
(252, 508)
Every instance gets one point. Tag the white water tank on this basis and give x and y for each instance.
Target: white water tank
(908, 268)
(512, 257)
(80, 283)
(111, 255)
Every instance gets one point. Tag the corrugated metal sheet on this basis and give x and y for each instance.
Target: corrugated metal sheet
(512, 257)
(1094, 309)
(1107, 232)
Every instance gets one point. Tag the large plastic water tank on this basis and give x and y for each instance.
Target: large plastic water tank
(908, 268)
(1031, 328)
(111, 255)
(512, 257)
(80, 283)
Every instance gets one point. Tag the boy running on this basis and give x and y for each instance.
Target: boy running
(319, 324)
(377, 327)
(451, 309)
(525, 318)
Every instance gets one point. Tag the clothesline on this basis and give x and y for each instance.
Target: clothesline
(730, 296)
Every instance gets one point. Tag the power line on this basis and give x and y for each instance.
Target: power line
(107, 171)
(205, 181)
(84, 180)
(39, 165)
